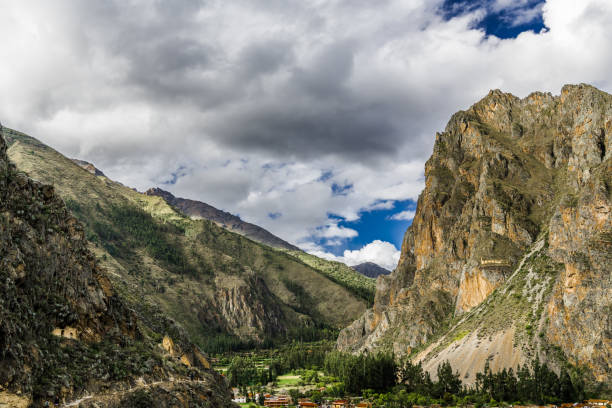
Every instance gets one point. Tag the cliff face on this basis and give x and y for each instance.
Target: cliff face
(63, 329)
(200, 210)
(511, 240)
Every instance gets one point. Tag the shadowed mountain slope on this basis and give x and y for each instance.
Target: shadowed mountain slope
(64, 330)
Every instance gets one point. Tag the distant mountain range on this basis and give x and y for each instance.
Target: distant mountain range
(199, 210)
(371, 270)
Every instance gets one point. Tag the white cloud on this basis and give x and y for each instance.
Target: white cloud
(380, 252)
(335, 231)
(406, 215)
(258, 99)
(381, 205)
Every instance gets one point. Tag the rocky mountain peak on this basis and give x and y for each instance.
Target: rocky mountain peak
(506, 176)
(166, 195)
(89, 167)
(370, 269)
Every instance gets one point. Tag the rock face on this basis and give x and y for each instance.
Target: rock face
(200, 210)
(370, 269)
(511, 245)
(63, 329)
(89, 167)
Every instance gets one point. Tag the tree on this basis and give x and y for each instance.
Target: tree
(566, 388)
(448, 382)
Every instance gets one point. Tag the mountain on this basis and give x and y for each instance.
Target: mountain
(371, 270)
(509, 255)
(64, 331)
(225, 290)
(200, 210)
(336, 271)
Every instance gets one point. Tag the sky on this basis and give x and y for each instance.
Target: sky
(311, 118)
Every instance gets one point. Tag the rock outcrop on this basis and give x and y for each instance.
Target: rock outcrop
(89, 167)
(510, 252)
(63, 329)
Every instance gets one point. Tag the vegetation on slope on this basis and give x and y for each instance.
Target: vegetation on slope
(225, 290)
(342, 274)
(318, 372)
(63, 329)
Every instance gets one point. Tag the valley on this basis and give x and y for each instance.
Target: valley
(501, 295)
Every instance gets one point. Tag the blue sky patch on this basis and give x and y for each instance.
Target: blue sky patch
(174, 176)
(341, 189)
(326, 175)
(506, 21)
(373, 225)
(274, 215)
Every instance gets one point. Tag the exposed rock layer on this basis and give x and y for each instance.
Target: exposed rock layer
(504, 174)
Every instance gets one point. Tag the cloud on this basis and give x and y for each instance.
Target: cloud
(381, 253)
(261, 107)
(406, 215)
(335, 231)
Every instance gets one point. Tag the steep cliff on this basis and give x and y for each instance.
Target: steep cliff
(510, 252)
(63, 329)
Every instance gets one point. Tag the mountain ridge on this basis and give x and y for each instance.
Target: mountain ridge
(224, 289)
(371, 269)
(198, 209)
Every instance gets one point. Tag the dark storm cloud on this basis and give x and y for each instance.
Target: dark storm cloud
(264, 58)
(257, 94)
(312, 129)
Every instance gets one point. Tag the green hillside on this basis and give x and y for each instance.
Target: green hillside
(346, 276)
(224, 289)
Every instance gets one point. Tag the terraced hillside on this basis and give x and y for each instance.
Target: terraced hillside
(224, 289)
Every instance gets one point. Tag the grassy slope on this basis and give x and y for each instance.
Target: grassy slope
(163, 262)
(360, 285)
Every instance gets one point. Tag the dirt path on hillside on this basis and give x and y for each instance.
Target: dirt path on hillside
(112, 396)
